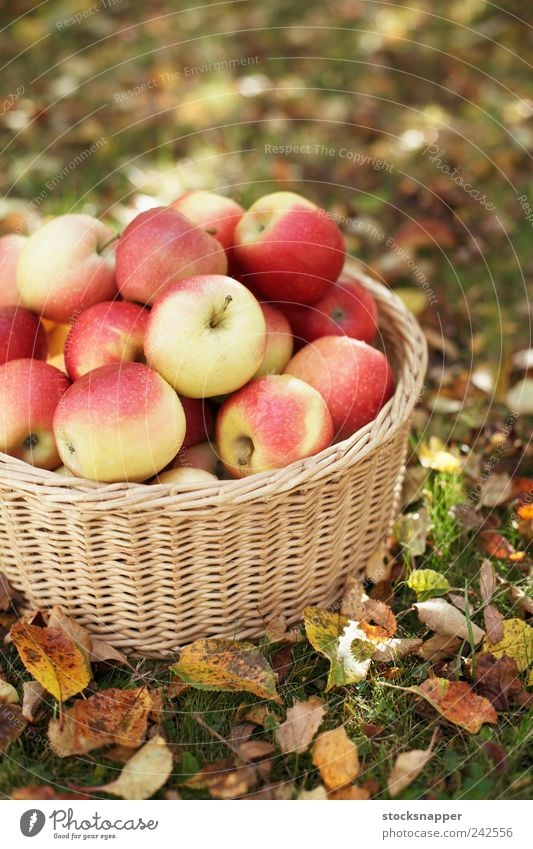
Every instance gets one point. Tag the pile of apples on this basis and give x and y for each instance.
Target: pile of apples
(206, 341)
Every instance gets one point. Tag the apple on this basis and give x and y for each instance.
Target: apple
(108, 332)
(206, 335)
(10, 248)
(158, 248)
(21, 335)
(289, 248)
(279, 342)
(30, 391)
(119, 422)
(214, 213)
(347, 309)
(65, 267)
(185, 474)
(354, 379)
(270, 423)
(201, 456)
(199, 420)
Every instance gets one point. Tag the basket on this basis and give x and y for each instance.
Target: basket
(152, 568)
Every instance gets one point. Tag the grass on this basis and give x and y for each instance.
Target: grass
(460, 769)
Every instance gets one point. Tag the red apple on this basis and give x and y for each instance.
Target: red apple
(30, 391)
(271, 422)
(66, 266)
(120, 422)
(279, 342)
(216, 214)
(348, 309)
(158, 248)
(199, 419)
(21, 335)
(201, 456)
(354, 379)
(10, 248)
(109, 332)
(289, 248)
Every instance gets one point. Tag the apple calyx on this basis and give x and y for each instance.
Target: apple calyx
(215, 321)
(31, 441)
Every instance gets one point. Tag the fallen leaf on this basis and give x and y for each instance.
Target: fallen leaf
(255, 750)
(438, 647)
(42, 792)
(317, 794)
(456, 702)
(379, 565)
(496, 754)
(427, 583)
(281, 662)
(8, 694)
(352, 599)
(443, 618)
(53, 659)
(301, 724)
(77, 633)
(371, 730)
(413, 485)
(217, 664)
(224, 779)
(466, 516)
(520, 397)
(460, 602)
(258, 714)
(411, 531)
(144, 774)
(102, 652)
(496, 490)
(517, 643)
(342, 642)
(487, 581)
(434, 455)
(407, 767)
(8, 594)
(396, 648)
(276, 630)
(350, 792)
(378, 612)
(111, 716)
(336, 758)
(496, 545)
(523, 601)
(493, 624)
(281, 792)
(12, 724)
(497, 679)
(32, 696)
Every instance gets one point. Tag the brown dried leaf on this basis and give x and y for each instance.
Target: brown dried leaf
(12, 724)
(443, 618)
(457, 703)
(407, 767)
(32, 696)
(497, 679)
(350, 792)
(379, 565)
(396, 648)
(439, 647)
(487, 581)
(495, 545)
(379, 613)
(281, 662)
(336, 758)
(493, 624)
(42, 792)
(8, 694)
(352, 599)
(111, 716)
(317, 794)
(301, 724)
(224, 779)
(8, 594)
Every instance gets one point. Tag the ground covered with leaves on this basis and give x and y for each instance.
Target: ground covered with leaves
(414, 128)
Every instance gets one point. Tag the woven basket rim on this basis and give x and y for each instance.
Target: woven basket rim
(330, 461)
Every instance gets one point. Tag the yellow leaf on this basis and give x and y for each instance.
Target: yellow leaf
(427, 583)
(217, 664)
(302, 722)
(144, 774)
(435, 456)
(517, 643)
(53, 658)
(8, 694)
(345, 645)
(336, 758)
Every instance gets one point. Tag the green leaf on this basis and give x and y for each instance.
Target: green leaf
(427, 583)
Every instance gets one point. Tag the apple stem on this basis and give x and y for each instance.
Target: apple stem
(109, 242)
(245, 450)
(217, 317)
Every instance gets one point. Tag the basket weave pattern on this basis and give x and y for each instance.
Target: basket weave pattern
(151, 568)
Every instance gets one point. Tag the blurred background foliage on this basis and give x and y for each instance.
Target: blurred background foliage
(118, 106)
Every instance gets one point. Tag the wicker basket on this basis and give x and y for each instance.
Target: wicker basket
(151, 568)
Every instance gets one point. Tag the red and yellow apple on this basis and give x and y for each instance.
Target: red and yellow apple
(347, 309)
(214, 213)
(120, 422)
(289, 248)
(65, 267)
(30, 391)
(354, 379)
(108, 332)
(21, 335)
(199, 420)
(158, 248)
(186, 475)
(206, 336)
(202, 456)
(10, 248)
(279, 342)
(270, 423)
